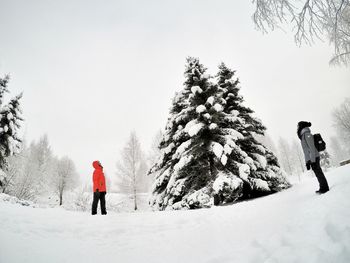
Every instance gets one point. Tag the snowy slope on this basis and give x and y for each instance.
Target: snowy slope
(292, 226)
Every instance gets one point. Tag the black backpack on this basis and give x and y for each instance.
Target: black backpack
(320, 144)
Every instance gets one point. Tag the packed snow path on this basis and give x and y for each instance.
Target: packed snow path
(296, 225)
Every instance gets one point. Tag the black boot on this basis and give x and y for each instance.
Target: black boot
(322, 191)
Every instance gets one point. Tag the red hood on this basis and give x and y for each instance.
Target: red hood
(96, 165)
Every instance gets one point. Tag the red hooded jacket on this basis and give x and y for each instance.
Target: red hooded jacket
(98, 178)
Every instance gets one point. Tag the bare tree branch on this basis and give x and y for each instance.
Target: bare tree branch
(310, 19)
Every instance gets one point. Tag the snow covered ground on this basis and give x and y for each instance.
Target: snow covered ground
(296, 225)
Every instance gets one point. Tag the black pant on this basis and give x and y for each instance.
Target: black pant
(99, 196)
(320, 175)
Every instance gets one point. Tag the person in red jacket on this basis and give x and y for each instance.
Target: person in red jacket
(99, 188)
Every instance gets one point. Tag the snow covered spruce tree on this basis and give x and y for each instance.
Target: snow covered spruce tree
(208, 149)
(10, 117)
(187, 163)
(248, 159)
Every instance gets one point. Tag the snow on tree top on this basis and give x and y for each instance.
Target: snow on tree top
(182, 148)
(180, 116)
(210, 100)
(248, 160)
(207, 116)
(12, 126)
(169, 148)
(10, 116)
(163, 176)
(223, 159)
(196, 89)
(261, 159)
(218, 107)
(234, 134)
(193, 127)
(234, 112)
(244, 171)
(261, 149)
(182, 162)
(217, 149)
(201, 108)
(233, 119)
(227, 149)
(213, 126)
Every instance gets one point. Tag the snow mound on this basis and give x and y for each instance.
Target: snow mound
(15, 200)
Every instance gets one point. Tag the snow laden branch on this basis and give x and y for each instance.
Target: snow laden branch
(10, 123)
(320, 19)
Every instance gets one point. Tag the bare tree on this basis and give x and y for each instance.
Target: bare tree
(132, 169)
(155, 151)
(285, 156)
(32, 169)
(298, 158)
(65, 178)
(40, 158)
(341, 119)
(82, 198)
(19, 175)
(338, 152)
(24, 176)
(310, 19)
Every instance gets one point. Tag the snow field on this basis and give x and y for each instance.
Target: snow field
(295, 225)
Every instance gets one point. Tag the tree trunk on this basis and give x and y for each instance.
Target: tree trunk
(61, 198)
(135, 202)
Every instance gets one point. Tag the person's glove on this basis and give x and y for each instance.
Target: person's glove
(308, 165)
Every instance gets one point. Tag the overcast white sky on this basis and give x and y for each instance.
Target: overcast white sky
(93, 71)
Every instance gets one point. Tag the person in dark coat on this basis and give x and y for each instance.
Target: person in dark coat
(99, 188)
(312, 157)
